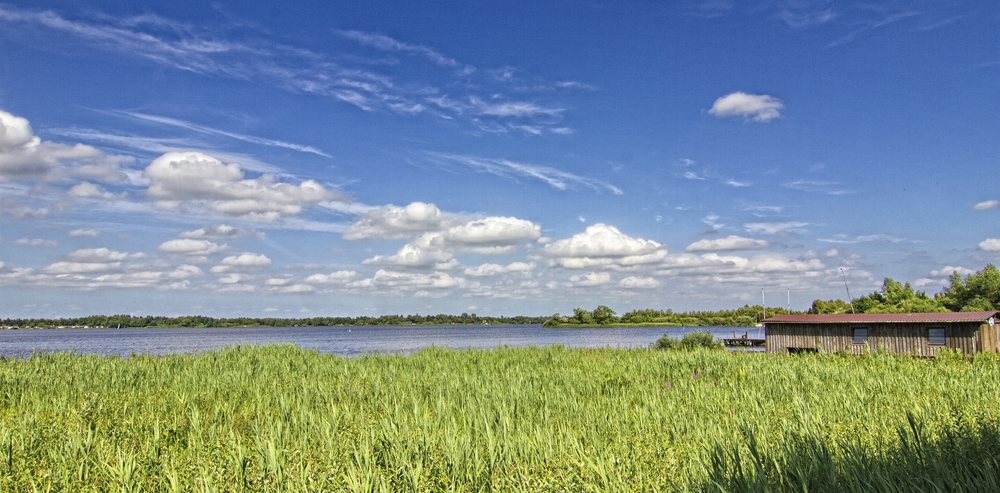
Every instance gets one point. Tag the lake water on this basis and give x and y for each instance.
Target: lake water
(344, 341)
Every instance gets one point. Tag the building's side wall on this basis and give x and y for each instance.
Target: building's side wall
(989, 338)
(906, 338)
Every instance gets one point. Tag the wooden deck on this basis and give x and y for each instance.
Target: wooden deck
(743, 342)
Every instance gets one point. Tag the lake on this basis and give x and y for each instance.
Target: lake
(343, 341)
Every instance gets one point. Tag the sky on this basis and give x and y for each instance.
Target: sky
(501, 158)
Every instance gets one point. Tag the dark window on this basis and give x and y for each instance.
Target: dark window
(860, 335)
(935, 336)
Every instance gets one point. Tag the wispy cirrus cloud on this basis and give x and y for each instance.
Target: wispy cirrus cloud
(847, 240)
(385, 43)
(553, 177)
(223, 51)
(162, 120)
(818, 186)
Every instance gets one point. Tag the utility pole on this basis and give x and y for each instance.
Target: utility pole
(848, 289)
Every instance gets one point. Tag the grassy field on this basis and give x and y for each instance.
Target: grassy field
(279, 418)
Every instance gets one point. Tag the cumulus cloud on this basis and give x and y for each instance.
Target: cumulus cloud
(437, 249)
(987, 205)
(179, 179)
(990, 245)
(338, 277)
(411, 280)
(634, 282)
(489, 269)
(602, 245)
(732, 242)
(241, 262)
(76, 233)
(589, 279)
(191, 247)
(24, 156)
(420, 253)
(87, 190)
(100, 255)
(731, 266)
(393, 222)
(90, 261)
(757, 107)
(947, 271)
(219, 232)
(491, 232)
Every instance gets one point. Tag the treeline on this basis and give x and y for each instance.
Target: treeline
(979, 291)
(745, 316)
(114, 321)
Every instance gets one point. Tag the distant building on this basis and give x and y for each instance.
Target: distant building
(921, 334)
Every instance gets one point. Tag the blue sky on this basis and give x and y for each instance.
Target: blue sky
(362, 158)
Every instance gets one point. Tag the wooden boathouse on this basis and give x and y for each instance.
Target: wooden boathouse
(921, 334)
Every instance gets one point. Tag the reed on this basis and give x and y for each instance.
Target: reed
(279, 418)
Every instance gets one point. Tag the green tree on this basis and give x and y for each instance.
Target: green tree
(979, 291)
(830, 306)
(581, 316)
(604, 315)
(896, 297)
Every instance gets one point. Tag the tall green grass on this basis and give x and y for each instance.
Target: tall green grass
(278, 418)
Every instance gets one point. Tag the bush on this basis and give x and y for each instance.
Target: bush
(690, 341)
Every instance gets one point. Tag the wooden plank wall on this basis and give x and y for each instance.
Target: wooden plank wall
(907, 338)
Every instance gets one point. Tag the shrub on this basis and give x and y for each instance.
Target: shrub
(690, 341)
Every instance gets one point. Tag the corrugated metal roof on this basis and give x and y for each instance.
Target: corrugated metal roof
(874, 318)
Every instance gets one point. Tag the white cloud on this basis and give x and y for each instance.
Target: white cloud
(489, 269)
(76, 233)
(691, 175)
(89, 190)
(383, 42)
(987, 205)
(489, 235)
(990, 245)
(100, 255)
(219, 232)
(23, 156)
(733, 183)
(603, 245)
(207, 130)
(553, 177)
(758, 107)
(816, 186)
(777, 229)
(589, 279)
(36, 242)
(491, 232)
(846, 240)
(947, 270)
(420, 253)
(728, 243)
(635, 282)
(190, 247)
(393, 222)
(240, 262)
(338, 277)
(90, 261)
(179, 179)
(411, 280)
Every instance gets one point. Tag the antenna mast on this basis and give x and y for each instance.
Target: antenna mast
(848, 289)
(762, 305)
